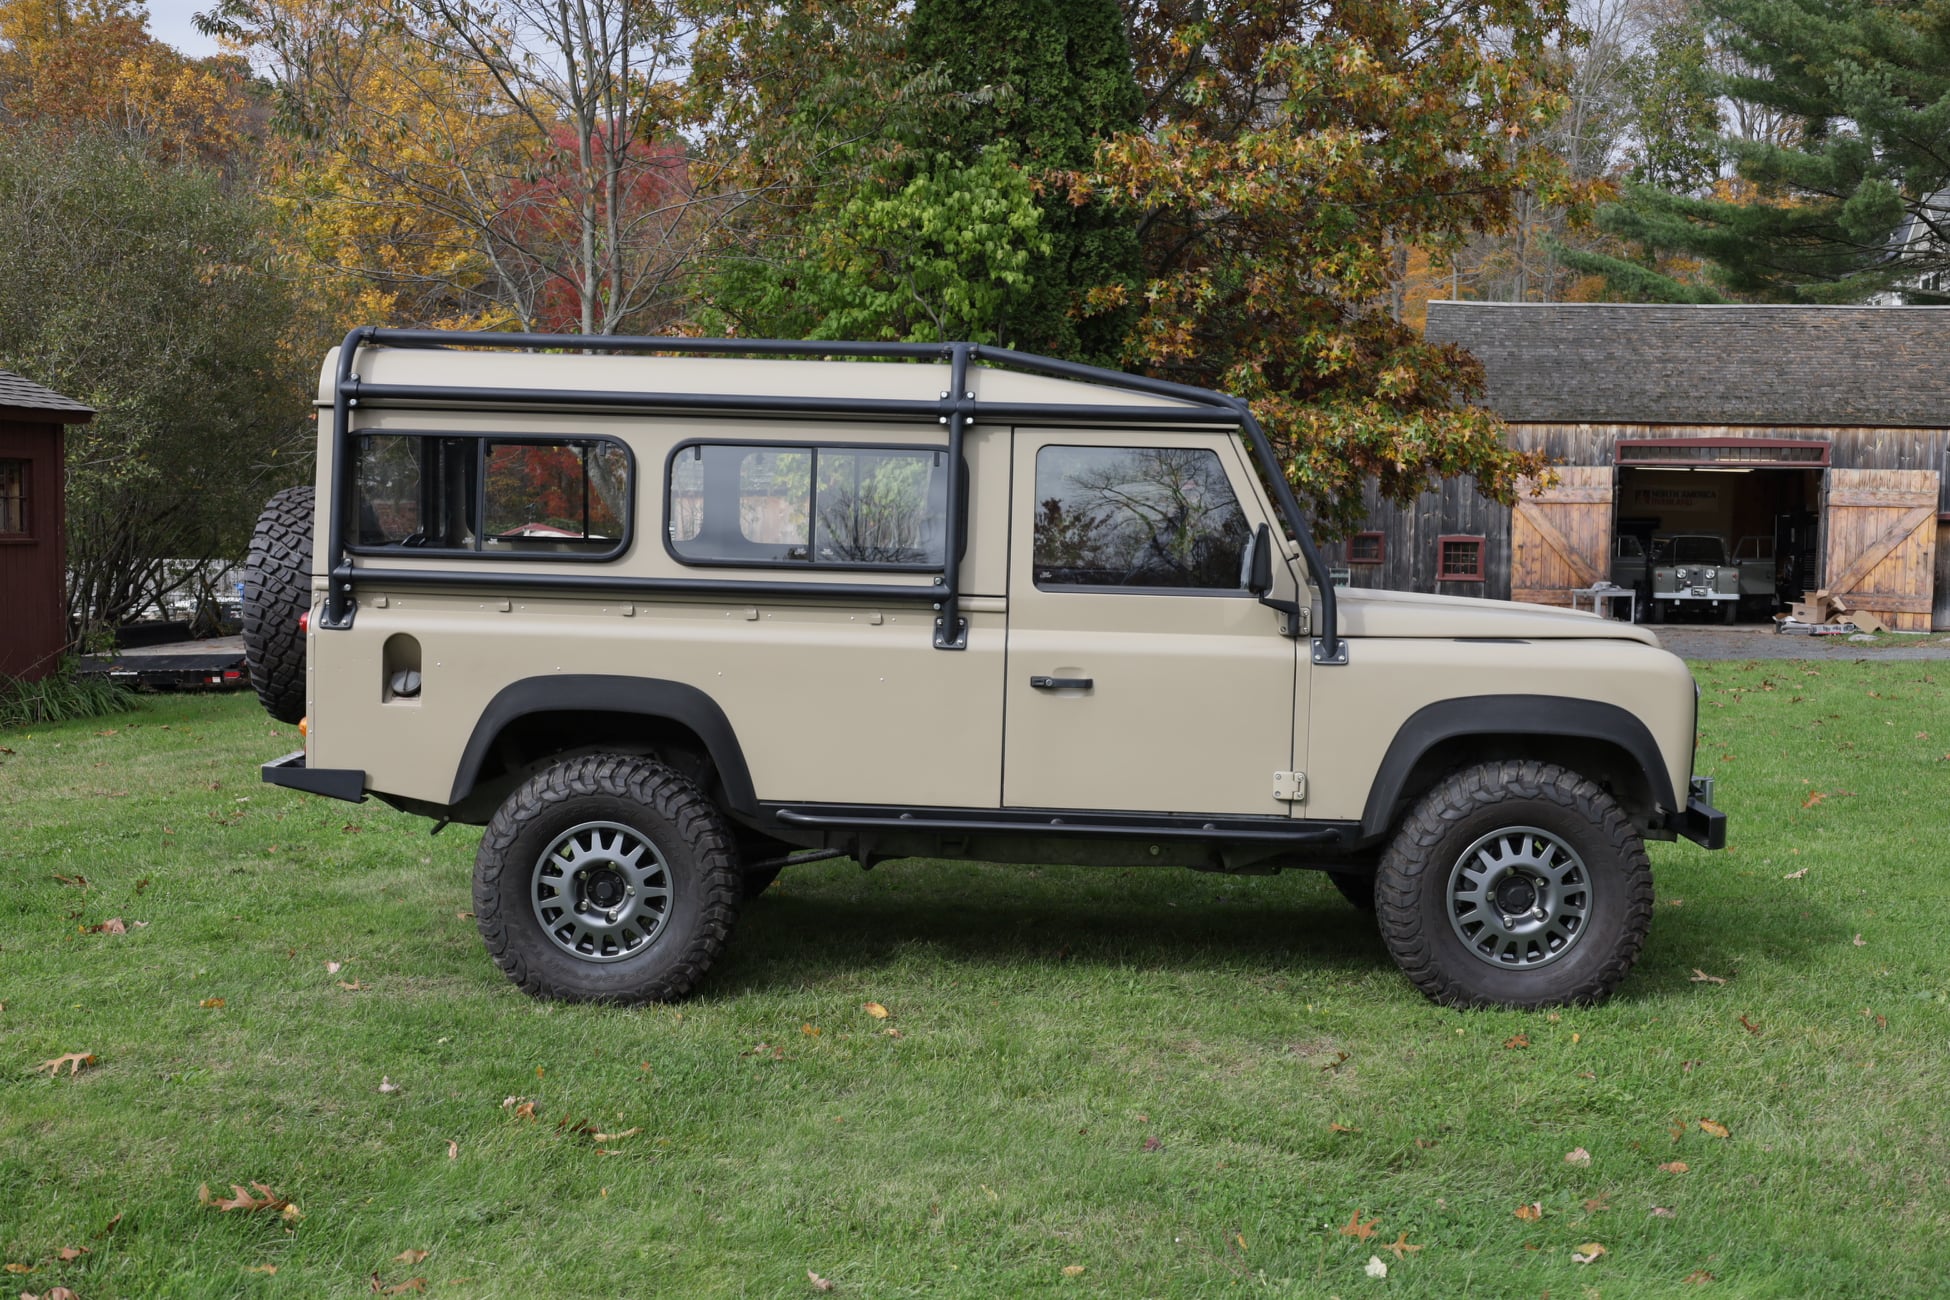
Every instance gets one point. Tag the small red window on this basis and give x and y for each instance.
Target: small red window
(13, 498)
(1460, 559)
(1366, 548)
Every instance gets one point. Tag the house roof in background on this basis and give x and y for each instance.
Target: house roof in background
(24, 395)
(1653, 363)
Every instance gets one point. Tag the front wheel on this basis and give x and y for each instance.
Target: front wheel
(1515, 884)
(606, 878)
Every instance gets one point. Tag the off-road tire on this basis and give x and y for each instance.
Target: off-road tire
(1413, 886)
(277, 589)
(1355, 887)
(657, 804)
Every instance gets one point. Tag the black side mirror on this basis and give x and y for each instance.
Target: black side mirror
(1259, 572)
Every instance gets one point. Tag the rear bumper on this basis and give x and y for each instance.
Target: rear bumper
(1700, 822)
(347, 783)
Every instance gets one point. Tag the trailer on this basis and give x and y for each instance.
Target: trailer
(214, 664)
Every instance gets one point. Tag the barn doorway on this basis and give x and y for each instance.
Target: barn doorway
(1762, 523)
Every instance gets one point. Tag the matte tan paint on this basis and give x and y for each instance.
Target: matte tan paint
(1199, 699)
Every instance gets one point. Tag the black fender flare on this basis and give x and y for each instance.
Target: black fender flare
(644, 697)
(1510, 715)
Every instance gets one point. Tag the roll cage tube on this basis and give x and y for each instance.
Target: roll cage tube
(956, 409)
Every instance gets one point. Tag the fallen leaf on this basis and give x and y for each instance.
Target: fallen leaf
(1400, 1246)
(332, 967)
(210, 1004)
(810, 1031)
(1532, 1212)
(291, 1214)
(875, 1010)
(463, 916)
(1427, 1144)
(819, 1283)
(1602, 1201)
(1577, 1157)
(143, 883)
(108, 1227)
(1515, 1042)
(1340, 1059)
(410, 1256)
(113, 925)
(1588, 1253)
(1697, 1276)
(893, 1033)
(75, 1061)
(1795, 875)
(1860, 942)
(387, 1085)
(618, 1137)
(69, 1254)
(1338, 1127)
(269, 1270)
(1358, 1230)
(1673, 1167)
(242, 1199)
(453, 1150)
(1073, 1270)
(1701, 977)
(1152, 1144)
(1813, 799)
(79, 882)
(1678, 1132)
(1748, 1025)
(1375, 1267)
(1661, 1212)
(1712, 1129)
(20, 1268)
(411, 1284)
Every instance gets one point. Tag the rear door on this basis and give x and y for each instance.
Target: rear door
(1141, 675)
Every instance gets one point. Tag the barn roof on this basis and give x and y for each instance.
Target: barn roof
(1651, 363)
(24, 395)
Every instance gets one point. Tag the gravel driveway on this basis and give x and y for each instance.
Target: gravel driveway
(1758, 642)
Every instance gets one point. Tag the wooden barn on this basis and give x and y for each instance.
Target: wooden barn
(1818, 437)
(33, 526)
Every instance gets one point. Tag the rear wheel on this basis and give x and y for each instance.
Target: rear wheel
(277, 590)
(606, 878)
(1515, 884)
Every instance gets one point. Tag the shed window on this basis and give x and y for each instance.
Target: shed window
(1459, 559)
(13, 498)
(1366, 548)
(832, 506)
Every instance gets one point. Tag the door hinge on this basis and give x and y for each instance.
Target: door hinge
(1290, 787)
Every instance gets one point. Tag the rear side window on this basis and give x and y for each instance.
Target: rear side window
(813, 505)
(553, 498)
(1137, 517)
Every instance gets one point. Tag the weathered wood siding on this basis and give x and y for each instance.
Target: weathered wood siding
(1560, 536)
(1881, 543)
(1411, 550)
(33, 603)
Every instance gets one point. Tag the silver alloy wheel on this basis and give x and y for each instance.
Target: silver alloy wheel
(1519, 898)
(601, 891)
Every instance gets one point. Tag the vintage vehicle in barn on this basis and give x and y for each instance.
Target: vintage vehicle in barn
(1691, 574)
(1759, 575)
(666, 622)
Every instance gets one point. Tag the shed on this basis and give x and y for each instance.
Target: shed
(33, 525)
(1818, 436)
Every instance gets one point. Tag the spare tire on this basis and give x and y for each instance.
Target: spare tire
(277, 590)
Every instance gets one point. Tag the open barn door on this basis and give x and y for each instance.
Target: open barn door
(1561, 540)
(1881, 549)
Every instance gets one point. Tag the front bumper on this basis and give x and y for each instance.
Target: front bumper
(347, 783)
(1699, 594)
(1700, 821)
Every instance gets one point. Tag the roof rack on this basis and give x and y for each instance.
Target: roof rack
(955, 409)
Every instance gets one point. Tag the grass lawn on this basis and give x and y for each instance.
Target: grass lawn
(1116, 1083)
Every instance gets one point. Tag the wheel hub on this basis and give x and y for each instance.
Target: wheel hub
(601, 891)
(1519, 898)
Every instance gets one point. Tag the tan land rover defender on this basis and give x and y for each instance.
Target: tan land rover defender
(666, 622)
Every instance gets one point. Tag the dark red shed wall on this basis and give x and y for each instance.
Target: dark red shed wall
(33, 604)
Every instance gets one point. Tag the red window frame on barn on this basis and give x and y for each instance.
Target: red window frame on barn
(1474, 542)
(1367, 548)
(16, 521)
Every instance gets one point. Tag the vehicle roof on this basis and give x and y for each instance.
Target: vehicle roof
(772, 377)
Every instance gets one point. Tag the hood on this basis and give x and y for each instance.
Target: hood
(1370, 612)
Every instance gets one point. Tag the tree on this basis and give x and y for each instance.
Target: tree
(143, 288)
(1052, 79)
(1289, 151)
(1856, 147)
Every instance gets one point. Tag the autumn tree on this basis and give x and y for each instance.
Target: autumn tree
(1288, 151)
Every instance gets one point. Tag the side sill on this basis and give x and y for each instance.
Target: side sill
(347, 783)
(1085, 824)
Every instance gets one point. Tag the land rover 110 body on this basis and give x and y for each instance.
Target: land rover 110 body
(667, 622)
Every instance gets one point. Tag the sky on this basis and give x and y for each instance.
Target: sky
(169, 20)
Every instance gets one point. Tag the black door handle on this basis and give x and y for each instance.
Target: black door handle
(1062, 683)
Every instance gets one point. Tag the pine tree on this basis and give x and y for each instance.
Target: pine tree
(1052, 78)
(1854, 203)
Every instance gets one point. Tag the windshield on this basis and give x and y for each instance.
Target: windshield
(1698, 550)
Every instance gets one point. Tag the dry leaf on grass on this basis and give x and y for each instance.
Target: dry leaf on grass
(1795, 875)
(1152, 1144)
(113, 925)
(269, 1270)
(1516, 1041)
(875, 1010)
(410, 1256)
(618, 1137)
(1588, 1253)
(1602, 1201)
(1578, 1157)
(1673, 1167)
(331, 968)
(453, 1150)
(1748, 1025)
(69, 1254)
(387, 1085)
(79, 882)
(354, 987)
(75, 1062)
(1375, 1267)
(210, 1004)
(1400, 1246)
(242, 1199)
(1338, 1127)
(1661, 1212)
(819, 1283)
(58, 1293)
(1531, 1212)
(1711, 1129)
(20, 1268)
(1698, 1276)
(1859, 941)
(1073, 1270)
(1701, 977)
(1358, 1230)
(411, 1284)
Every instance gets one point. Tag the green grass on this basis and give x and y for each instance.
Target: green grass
(1052, 1024)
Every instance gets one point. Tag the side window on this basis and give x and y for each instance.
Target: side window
(566, 498)
(821, 506)
(1136, 517)
(13, 498)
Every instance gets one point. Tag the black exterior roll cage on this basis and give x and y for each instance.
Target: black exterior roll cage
(955, 409)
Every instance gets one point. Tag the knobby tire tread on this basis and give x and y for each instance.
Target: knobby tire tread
(277, 589)
(1416, 851)
(640, 780)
